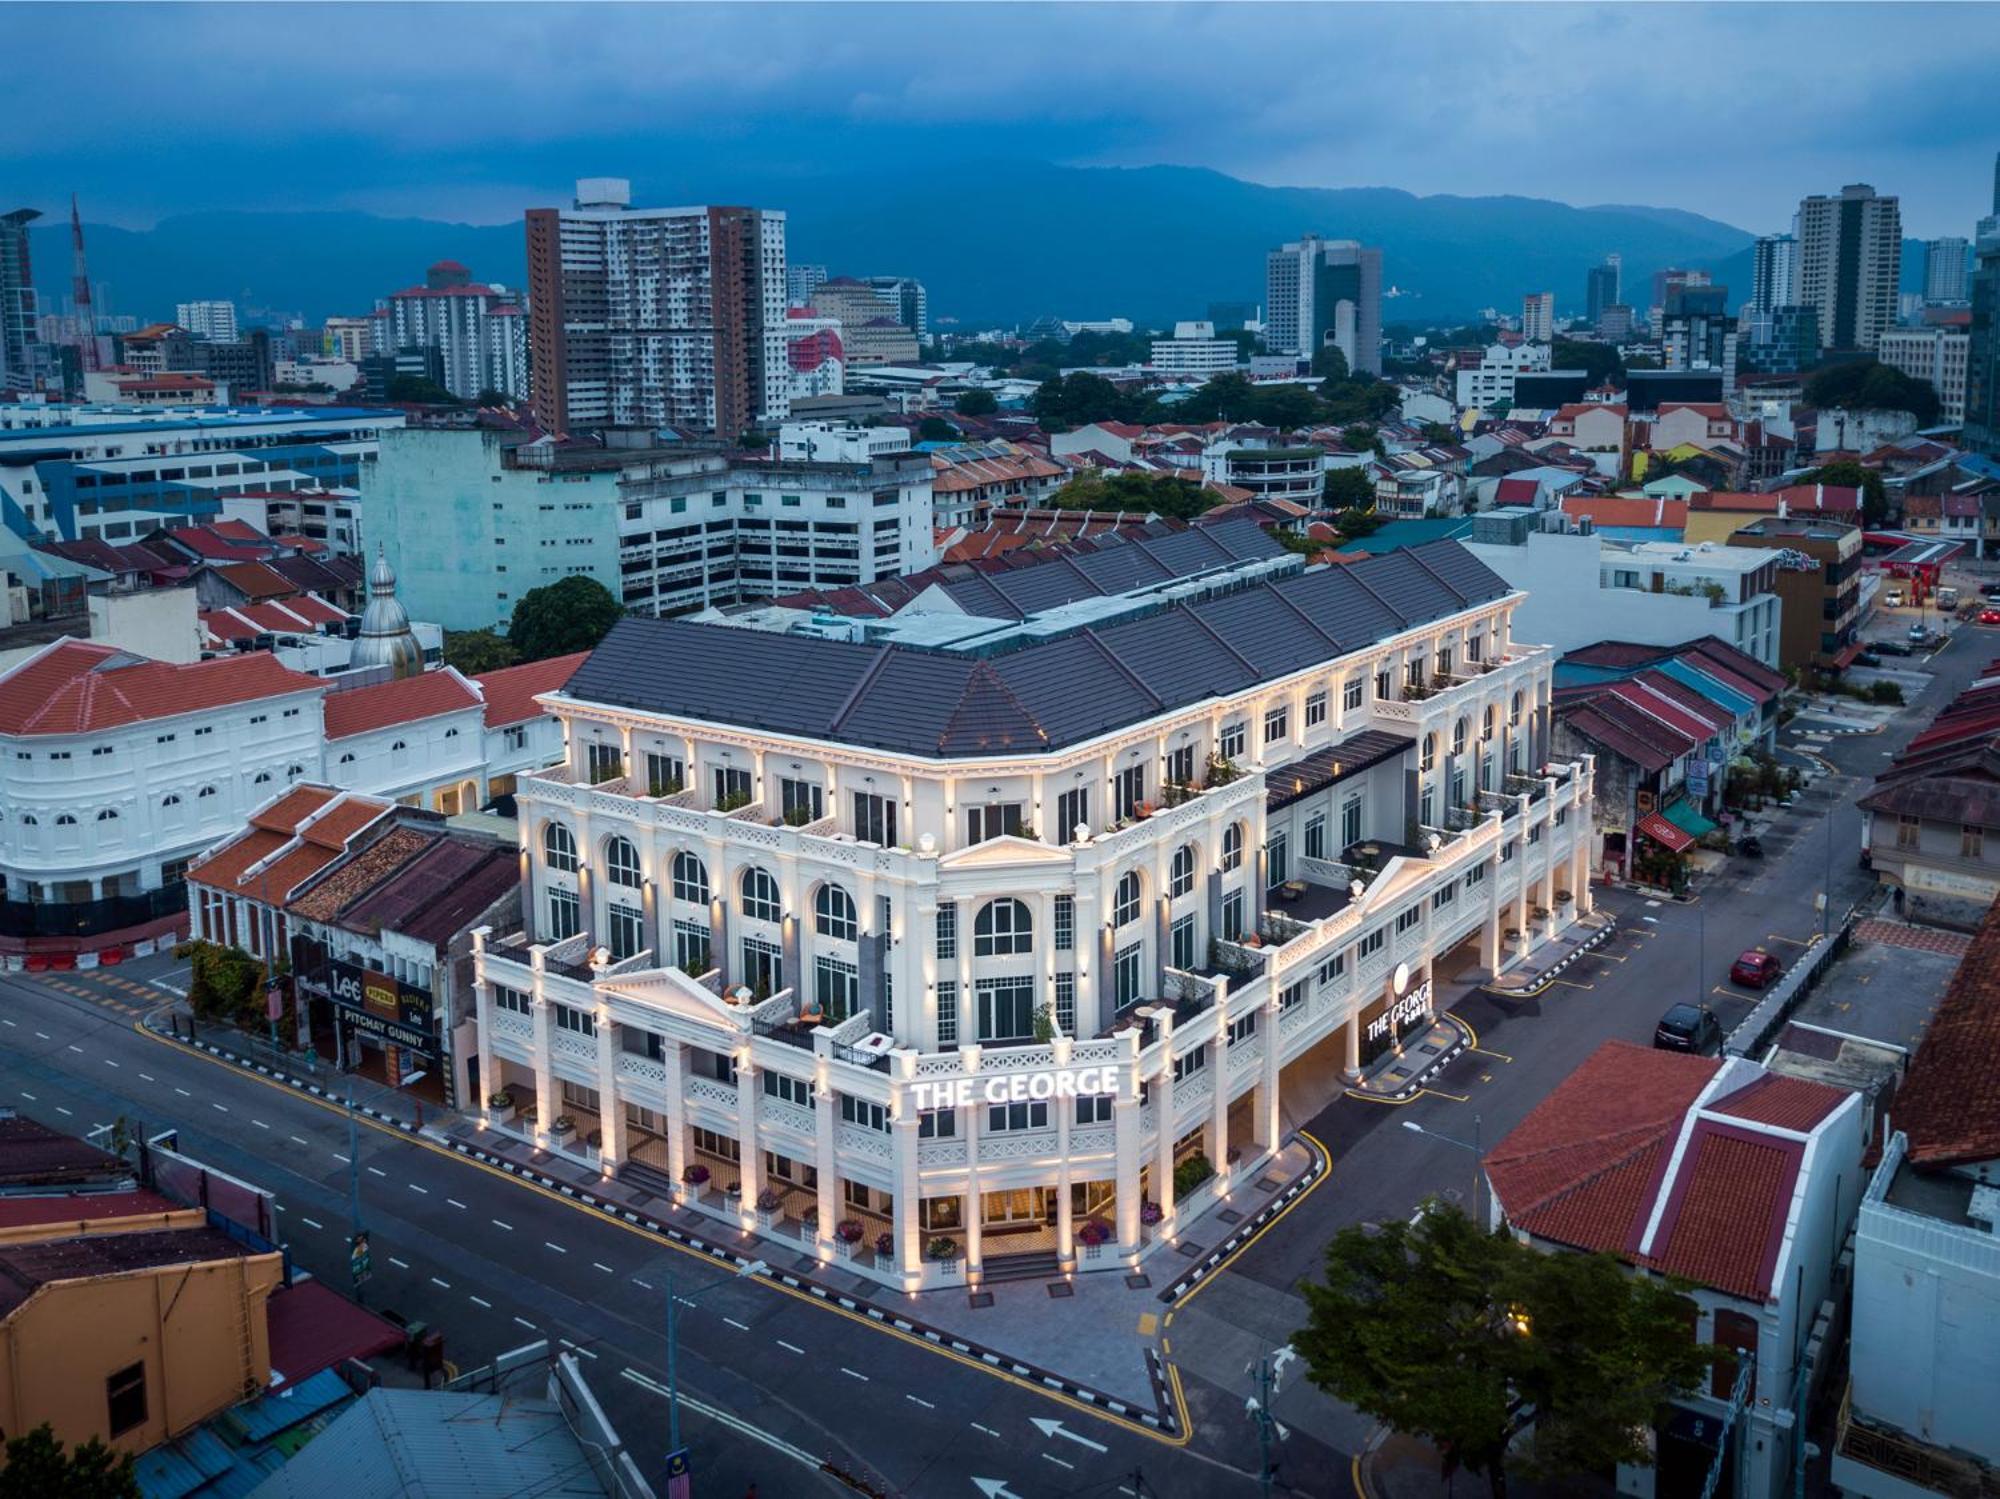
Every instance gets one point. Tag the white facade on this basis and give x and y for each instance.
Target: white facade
(349, 338)
(1491, 383)
(1944, 269)
(1850, 255)
(211, 320)
(929, 1113)
(1583, 589)
(1938, 355)
(335, 374)
(1321, 293)
(823, 442)
(1194, 351)
(1538, 317)
(479, 333)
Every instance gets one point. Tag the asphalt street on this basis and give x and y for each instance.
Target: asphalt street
(775, 1384)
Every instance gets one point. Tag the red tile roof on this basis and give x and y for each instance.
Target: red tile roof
(511, 691)
(1786, 1102)
(258, 581)
(301, 833)
(1648, 511)
(76, 687)
(75, 1210)
(404, 700)
(314, 1327)
(1949, 1102)
(1725, 1218)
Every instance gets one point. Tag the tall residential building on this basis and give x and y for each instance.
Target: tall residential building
(211, 319)
(1600, 287)
(1982, 363)
(1697, 333)
(21, 353)
(478, 330)
(655, 316)
(870, 331)
(349, 338)
(1325, 292)
(1850, 254)
(1938, 355)
(1944, 269)
(1774, 273)
(907, 301)
(801, 281)
(1538, 317)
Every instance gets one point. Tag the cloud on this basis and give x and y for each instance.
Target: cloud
(1730, 110)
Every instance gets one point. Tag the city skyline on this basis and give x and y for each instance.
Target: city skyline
(491, 134)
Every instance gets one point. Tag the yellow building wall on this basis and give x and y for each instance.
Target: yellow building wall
(185, 1323)
(1718, 525)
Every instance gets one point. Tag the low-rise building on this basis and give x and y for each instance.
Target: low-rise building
(1195, 353)
(1597, 431)
(1489, 384)
(1818, 583)
(1938, 355)
(1716, 515)
(1932, 808)
(1269, 473)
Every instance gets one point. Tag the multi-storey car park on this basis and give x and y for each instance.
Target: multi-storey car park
(941, 943)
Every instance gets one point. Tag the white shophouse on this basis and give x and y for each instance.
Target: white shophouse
(943, 953)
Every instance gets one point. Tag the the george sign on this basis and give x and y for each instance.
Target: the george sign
(1016, 1087)
(1406, 1010)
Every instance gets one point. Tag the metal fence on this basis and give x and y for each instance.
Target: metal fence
(89, 918)
(1760, 1027)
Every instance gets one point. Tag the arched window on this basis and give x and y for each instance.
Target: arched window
(621, 863)
(262, 778)
(1514, 713)
(1232, 847)
(171, 799)
(833, 913)
(559, 848)
(204, 793)
(293, 772)
(398, 747)
(64, 820)
(1459, 733)
(109, 814)
(1486, 725)
(348, 758)
(1181, 880)
(690, 879)
(760, 896)
(1125, 900)
(1430, 755)
(29, 820)
(1003, 928)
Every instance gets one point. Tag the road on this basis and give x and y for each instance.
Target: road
(772, 1382)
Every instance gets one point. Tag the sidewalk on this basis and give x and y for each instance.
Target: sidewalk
(1534, 974)
(1394, 1466)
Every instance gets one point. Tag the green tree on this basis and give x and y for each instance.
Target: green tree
(476, 651)
(1349, 488)
(1359, 398)
(1867, 385)
(978, 402)
(225, 984)
(936, 429)
(559, 618)
(1158, 494)
(491, 397)
(1468, 1339)
(1329, 363)
(1847, 474)
(1286, 407)
(1079, 398)
(39, 1468)
(415, 390)
(1225, 398)
(1599, 362)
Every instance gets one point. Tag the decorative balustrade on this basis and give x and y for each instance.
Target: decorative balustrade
(642, 1069)
(857, 1139)
(787, 1116)
(1095, 1141)
(508, 1023)
(571, 1044)
(708, 1090)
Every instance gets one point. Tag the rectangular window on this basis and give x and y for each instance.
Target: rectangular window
(1909, 832)
(665, 774)
(1232, 741)
(628, 931)
(837, 987)
(860, 1111)
(1350, 694)
(1331, 970)
(947, 1013)
(1181, 951)
(1409, 918)
(1002, 1117)
(732, 788)
(1474, 875)
(991, 821)
(1064, 923)
(763, 966)
(1190, 1063)
(565, 915)
(1128, 789)
(725, 1147)
(793, 1090)
(1274, 723)
(1006, 1009)
(1293, 994)
(607, 761)
(875, 819)
(1350, 822)
(1971, 842)
(1072, 811)
(937, 1124)
(1316, 710)
(512, 1000)
(125, 1399)
(801, 801)
(1094, 1108)
(1232, 916)
(947, 929)
(1316, 836)
(1475, 647)
(1128, 975)
(691, 947)
(1243, 1028)
(1066, 1003)
(569, 1018)
(1371, 944)
(1444, 896)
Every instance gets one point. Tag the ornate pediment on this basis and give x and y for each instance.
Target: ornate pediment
(1006, 850)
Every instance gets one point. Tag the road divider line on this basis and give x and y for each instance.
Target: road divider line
(377, 1171)
(399, 1264)
(734, 1422)
(454, 1202)
(444, 1283)
(551, 1244)
(260, 1124)
(425, 1191)
(739, 1326)
(506, 1226)
(604, 1267)
(791, 1348)
(852, 1375)
(924, 1403)
(312, 1223)
(479, 1301)
(526, 1323)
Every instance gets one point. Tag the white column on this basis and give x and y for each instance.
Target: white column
(610, 1108)
(547, 1102)
(750, 1169)
(826, 1120)
(676, 1117)
(907, 1218)
(1352, 1068)
(1269, 1120)
(1065, 1112)
(973, 1256)
(1218, 1141)
(1163, 1126)
(1125, 1130)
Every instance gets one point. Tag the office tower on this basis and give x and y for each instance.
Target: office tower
(906, 300)
(870, 334)
(801, 281)
(1850, 254)
(1944, 269)
(1696, 332)
(655, 316)
(1774, 273)
(478, 331)
(215, 320)
(1614, 323)
(22, 356)
(1323, 293)
(1600, 288)
(1538, 317)
(1982, 362)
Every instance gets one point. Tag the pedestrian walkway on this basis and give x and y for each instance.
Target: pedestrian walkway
(1916, 938)
(1541, 967)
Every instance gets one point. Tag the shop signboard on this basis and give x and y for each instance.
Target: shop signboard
(376, 1004)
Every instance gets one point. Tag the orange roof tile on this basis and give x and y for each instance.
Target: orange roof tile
(77, 687)
(511, 691)
(403, 700)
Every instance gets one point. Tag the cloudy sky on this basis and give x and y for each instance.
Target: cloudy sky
(471, 111)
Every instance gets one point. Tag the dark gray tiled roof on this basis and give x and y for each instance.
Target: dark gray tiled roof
(1116, 566)
(1044, 696)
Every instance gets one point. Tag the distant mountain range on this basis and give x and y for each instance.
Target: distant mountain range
(994, 243)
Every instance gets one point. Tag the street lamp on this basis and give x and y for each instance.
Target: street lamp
(749, 1267)
(1477, 1156)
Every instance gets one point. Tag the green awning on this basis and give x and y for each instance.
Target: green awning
(1684, 816)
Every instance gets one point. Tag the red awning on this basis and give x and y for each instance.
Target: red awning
(314, 1327)
(1665, 833)
(1844, 657)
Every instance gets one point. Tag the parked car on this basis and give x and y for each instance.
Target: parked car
(1892, 647)
(1947, 597)
(1755, 969)
(1989, 616)
(1991, 590)
(1919, 635)
(1893, 598)
(1688, 1028)
(1867, 658)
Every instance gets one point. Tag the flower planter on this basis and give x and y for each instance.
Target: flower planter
(1093, 1251)
(765, 1218)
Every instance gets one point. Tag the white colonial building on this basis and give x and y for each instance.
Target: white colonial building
(943, 946)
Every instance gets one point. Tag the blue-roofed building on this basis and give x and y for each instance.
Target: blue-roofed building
(1397, 534)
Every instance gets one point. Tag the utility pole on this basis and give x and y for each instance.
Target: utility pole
(1262, 1416)
(358, 1258)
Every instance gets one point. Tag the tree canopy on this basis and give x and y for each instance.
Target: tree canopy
(475, 651)
(39, 1468)
(936, 429)
(1848, 474)
(491, 397)
(1079, 398)
(977, 402)
(558, 618)
(1600, 362)
(415, 390)
(1467, 1339)
(1160, 494)
(1329, 363)
(1349, 488)
(1868, 385)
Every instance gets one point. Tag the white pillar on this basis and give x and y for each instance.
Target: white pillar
(973, 1256)
(1218, 1143)
(1125, 1131)
(1352, 1068)
(826, 1119)
(750, 1169)
(907, 1212)
(1065, 1112)
(1163, 1126)
(610, 1108)
(676, 1117)
(1269, 1120)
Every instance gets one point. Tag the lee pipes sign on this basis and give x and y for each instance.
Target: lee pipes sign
(1017, 1087)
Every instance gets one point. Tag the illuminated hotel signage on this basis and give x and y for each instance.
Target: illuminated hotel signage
(1017, 1087)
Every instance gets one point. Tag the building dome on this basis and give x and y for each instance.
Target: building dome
(386, 638)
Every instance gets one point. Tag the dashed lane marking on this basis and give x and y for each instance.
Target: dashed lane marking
(739, 1326)
(260, 1124)
(551, 1244)
(454, 1202)
(422, 1191)
(1050, 1457)
(924, 1403)
(61, 1110)
(987, 1429)
(377, 1171)
(399, 1264)
(508, 1227)
(791, 1347)
(479, 1301)
(445, 1284)
(312, 1223)
(600, 1265)
(526, 1323)
(852, 1375)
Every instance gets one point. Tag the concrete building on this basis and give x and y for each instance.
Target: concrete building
(1489, 385)
(1774, 273)
(815, 354)
(871, 333)
(826, 953)
(1194, 352)
(478, 330)
(1640, 1153)
(1538, 317)
(211, 320)
(801, 281)
(1297, 473)
(1582, 589)
(906, 300)
(1321, 293)
(1818, 583)
(1925, 1359)
(1850, 255)
(655, 316)
(349, 338)
(1940, 355)
(1944, 269)
(1601, 288)
(1929, 813)
(25, 362)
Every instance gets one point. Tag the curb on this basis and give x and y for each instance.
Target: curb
(1589, 945)
(1248, 1228)
(1162, 1418)
(1417, 1083)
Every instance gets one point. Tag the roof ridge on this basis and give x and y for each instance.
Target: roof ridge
(982, 674)
(1123, 669)
(1216, 635)
(861, 685)
(1643, 1138)
(1354, 572)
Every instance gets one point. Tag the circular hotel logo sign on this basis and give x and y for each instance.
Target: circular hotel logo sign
(1401, 977)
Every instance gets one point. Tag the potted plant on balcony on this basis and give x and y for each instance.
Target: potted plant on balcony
(562, 1125)
(500, 1105)
(943, 1251)
(1149, 1212)
(809, 1223)
(732, 1193)
(768, 1202)
(798, 817)
(1233, 1154)
(1092, 1234)
(695, 1175)
(848, 1231)
(595, 1139)
(885, 1250)
(1045, 1023)
(1564, 897)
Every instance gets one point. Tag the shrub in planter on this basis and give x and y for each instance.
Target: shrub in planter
(1191, 1173)
(1092, 1232)
(734, 1189)
(695, 1175)
(501, 1100)
(1149, 1212)
(595, 1139)
(770, 1200)
(810, 1217)
(885, 1246)
(563, 1125)
(848, 1230)
(942, 1249)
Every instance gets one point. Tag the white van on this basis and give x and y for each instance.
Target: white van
(1893, 598)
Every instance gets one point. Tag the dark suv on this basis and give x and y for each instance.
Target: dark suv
(1688, 1028)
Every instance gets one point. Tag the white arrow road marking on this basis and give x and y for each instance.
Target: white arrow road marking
(994, 1488)
(1050, 1428)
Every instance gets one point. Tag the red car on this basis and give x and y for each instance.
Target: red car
(1989, 616)
(1755, 969)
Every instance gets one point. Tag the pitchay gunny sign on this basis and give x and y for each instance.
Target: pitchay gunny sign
(1017, 1087)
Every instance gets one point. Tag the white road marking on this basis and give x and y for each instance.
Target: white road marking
(145, 1077)
(27, 1095)
(548, 1244)
(454, 1202)
(312, 1223)
(425, 1191)
(220, 1108)
(791, 1347)
(344, 1160)
(1052, 1458)
(397, 1263)
(297, 1141)
(479, 1301)
(61, 1110)
(924, 1403)
(576, 1348)
(77, 1049)
(436, 1282)
(377, 1171)
(498, 1224)
(525, 1323)
(987, 1429)
(109, 1063)
(638, 1282)
(9, 1024)
(739, 1326)
(734, 1422)
(599, 1264)
(260, 1124)
(183, 1092)
(44, 1035)
(852, 1375)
